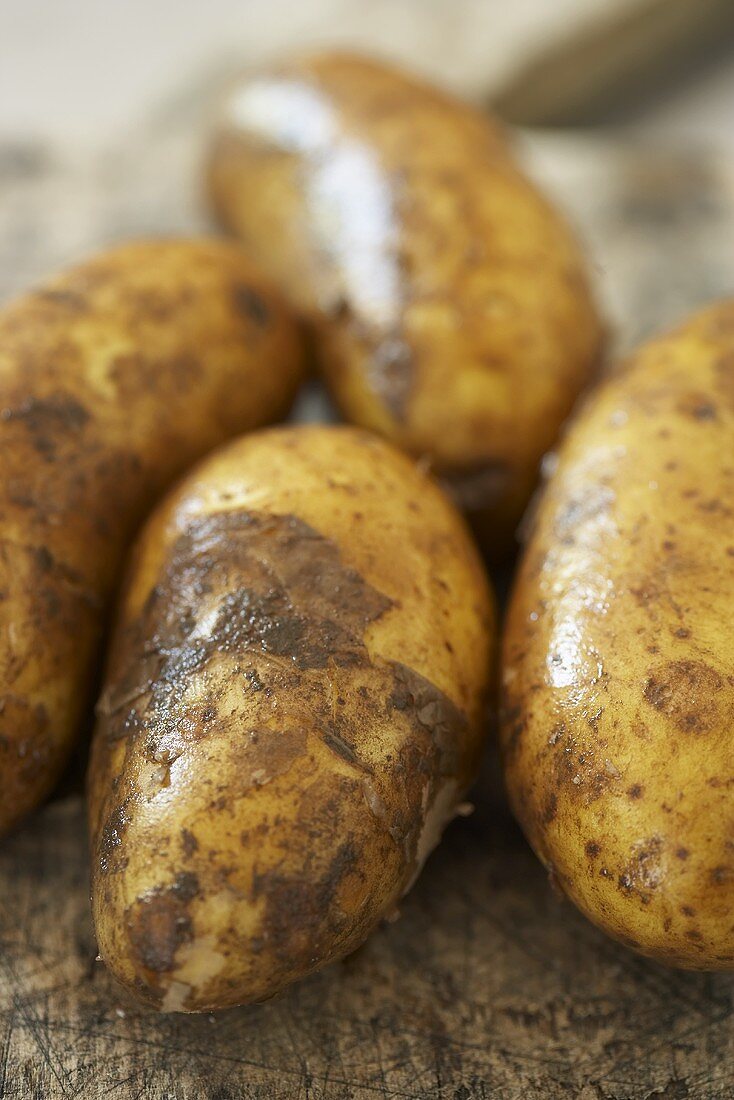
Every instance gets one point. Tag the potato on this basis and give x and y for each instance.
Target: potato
(294, 706)
(113, 378)
(449, 301)
(618, 665)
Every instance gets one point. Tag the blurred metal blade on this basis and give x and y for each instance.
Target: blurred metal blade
(599, 73)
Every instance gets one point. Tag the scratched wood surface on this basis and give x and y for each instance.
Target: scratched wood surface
(488, 985)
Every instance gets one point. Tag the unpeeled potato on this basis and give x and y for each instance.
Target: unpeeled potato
(450, 302)
(293, 710)
(113, 378)
(618, 665)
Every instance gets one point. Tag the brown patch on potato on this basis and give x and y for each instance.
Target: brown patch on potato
(50, 421)
(304, 603)
(698, 406)
(643, 872)
(261, 754)
(282, 592)
(302, 915)
(287, 597)
(686, 692)
(189, 843)
(159, 923)
(273, 590)
(23, 756)
(722, 875)
(582, 776)
(431, 711)
(111, 839)
(250, 304)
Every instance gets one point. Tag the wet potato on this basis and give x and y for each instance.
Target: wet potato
(113, 378)
(293, 708)
(449, 301)
(618, 665)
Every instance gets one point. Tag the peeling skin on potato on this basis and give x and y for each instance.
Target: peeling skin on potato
(282, 722)
(449, 302)
(97, 371)
(617, 663)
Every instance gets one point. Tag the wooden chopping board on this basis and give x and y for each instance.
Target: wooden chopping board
(488, 985)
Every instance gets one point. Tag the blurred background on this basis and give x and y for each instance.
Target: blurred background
(82, 71)
(624, 109)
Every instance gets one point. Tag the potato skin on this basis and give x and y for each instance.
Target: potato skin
(618, 667)
(294, 706)
(113, 378)
(449, 301)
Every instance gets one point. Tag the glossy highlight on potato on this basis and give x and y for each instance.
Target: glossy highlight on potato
(618, 665)
(114, 376)
(293, 708)
(449, 301)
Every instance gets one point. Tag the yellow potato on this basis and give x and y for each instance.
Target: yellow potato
(618, 665)
(449, 301)
(113, 378)
(294, 706)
